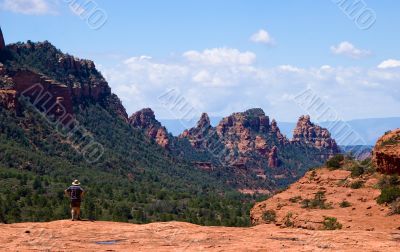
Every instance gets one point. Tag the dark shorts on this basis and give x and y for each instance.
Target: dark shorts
(75, 204)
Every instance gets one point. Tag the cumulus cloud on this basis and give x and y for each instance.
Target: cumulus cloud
(263, 37)
(221, 86)
(389, 63)
(220, 56)
(348, 49)
(29, 7)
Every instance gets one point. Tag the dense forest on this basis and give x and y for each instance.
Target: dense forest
(135, 180)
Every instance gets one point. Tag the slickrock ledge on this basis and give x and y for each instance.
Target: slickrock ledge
(65, 235)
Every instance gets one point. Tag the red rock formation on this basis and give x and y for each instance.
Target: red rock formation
(146, 120)
(47, 95)
(386, 153)
(308, 133)
(116, 104)
(246, 139)
(364, 214)
(198, 135)
(56, 98)
(273, 158)
(2, 43)
(261, 145)
(276, 131)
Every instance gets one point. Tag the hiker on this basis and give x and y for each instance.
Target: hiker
(75, 193)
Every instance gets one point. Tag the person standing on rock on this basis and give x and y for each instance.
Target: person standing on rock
(75, 194)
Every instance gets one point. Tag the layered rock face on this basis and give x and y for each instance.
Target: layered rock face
(242, 139)
(146, 120)
(197, 135)
(309, 133)
(55, 82)
(49, 96)
(253, 146)
(273, 157)
(386, 153)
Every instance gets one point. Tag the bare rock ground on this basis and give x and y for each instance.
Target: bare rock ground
(66, 235)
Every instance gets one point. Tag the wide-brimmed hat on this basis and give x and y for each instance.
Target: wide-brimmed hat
(76, 182)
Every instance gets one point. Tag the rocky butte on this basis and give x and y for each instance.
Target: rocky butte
(309, 133)
(247, 144)
(386, 153)
(146, 120)
(64, 82)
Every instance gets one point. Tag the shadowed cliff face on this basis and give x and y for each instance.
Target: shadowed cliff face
(386, 153)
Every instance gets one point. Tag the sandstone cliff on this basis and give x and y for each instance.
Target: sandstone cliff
(55, 82)
(252, 146)
(146, 120)
(239, 136)
(386, 153)
(308, 133)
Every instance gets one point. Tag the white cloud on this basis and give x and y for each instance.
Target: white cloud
(220, 56)
(390, 63)
(348, 49)
(221, 86)
(29, 7)
(137, 59)
(290, 68)
(262, 36)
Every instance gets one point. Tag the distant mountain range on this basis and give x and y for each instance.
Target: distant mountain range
(369, 129)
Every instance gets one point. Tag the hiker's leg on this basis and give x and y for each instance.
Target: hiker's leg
(75, 213)
(72, 213)
(78, 213)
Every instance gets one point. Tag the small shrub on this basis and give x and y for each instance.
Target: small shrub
(341, 182)
(369, 169)
(388, 195)
(282, 190)
(331, 223)
(388, 181)
(356, 171)
(344, 204)
(295, 199)
(288, 220)
(318, 201)
(391, 141)
(306, 203)
(313, 174)
(357, 184)
(269, 216)
(395, 207)
(335, 162)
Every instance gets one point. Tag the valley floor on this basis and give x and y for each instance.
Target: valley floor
(66, 235)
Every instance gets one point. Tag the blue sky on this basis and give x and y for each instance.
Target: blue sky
(227, 56)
